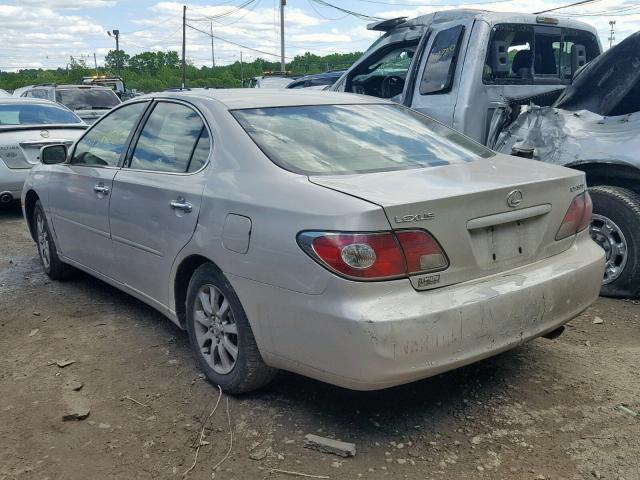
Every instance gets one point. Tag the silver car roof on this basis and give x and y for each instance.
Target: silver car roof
(241, 98)
(492, 18)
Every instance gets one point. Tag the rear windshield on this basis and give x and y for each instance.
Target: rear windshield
(340, 139)
(537, 54)
(87, 98)
(34, 114)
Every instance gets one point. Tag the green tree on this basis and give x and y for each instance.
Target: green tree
(115, 59)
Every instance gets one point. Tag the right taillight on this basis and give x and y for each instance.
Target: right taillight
(421, 251)
(577, 218)
(375, 255)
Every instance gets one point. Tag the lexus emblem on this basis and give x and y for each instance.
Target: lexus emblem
(44, 133)
(514, 198)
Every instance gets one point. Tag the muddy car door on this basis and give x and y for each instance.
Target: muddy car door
(156, 196)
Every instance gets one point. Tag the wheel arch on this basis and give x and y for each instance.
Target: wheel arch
(184, 272)
(612, 174)
(30, 200)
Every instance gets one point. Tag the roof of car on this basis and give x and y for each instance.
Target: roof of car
(490, 17)
(9, 100)
(55, 85)
(84, 86)
(239, 98)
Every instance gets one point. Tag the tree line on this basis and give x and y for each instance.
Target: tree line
(154, 71)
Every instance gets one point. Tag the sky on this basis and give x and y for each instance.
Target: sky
(45, 34)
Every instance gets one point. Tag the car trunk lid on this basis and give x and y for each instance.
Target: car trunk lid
(20, 146)
(489, 216)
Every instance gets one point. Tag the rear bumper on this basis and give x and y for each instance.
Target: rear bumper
(371, 336)
(12, 180)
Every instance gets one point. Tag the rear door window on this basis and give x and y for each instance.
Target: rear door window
(171, 140)
(441, 62)
(536, 54)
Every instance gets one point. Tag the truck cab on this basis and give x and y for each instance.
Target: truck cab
(459, 66)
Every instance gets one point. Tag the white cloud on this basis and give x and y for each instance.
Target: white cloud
(70, 4)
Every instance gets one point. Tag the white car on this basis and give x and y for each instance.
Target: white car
(4, 93)
(26, 125)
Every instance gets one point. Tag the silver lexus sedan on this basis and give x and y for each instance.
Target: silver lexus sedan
(343, 237)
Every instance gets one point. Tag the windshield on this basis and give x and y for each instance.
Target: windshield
(87, 98)
(35, 114)
(338, 139)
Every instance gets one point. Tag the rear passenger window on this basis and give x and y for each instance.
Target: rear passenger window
(201, 152)
(170, 139)
(441, 62)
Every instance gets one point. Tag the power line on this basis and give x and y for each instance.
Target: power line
(163, 39)
(223, 14)
(247, 12)
(379, 2)
(361, 16)
(148, 27)
(234, 43)
(582, 2)
(618, 11)
(315, 9)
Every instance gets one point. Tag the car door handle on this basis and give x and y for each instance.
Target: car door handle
(101, 189)
(181, 204)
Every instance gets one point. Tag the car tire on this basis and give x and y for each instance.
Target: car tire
(616, 228)
(219, 331)
(55, 268)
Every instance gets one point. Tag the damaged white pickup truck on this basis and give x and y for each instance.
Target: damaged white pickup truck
(477, 71)
(594, 126)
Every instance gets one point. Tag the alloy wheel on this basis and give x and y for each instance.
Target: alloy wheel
(216, 330)
(608, 235)
(43, 240)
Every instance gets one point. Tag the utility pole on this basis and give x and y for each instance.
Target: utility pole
(95, 62)
(116, 33)
(282, 64)
(611, 37)
(213, 55)
(241, 71)
(184, 46)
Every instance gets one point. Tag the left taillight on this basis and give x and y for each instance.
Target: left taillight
(375, 255)
(578, 216)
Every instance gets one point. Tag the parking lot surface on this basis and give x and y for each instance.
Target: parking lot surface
(547, 410)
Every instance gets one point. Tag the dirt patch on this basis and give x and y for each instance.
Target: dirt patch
(545, 410)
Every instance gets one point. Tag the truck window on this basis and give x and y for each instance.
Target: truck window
(532, 54)
(441, 62)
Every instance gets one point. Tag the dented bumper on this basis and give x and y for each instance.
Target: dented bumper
(371, 336)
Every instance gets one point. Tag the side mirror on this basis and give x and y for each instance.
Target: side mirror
(53, 154)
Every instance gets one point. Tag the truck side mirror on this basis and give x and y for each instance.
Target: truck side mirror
(578, 58)
(500, 57)
(53, 154)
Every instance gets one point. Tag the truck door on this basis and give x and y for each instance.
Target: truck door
(435, 89)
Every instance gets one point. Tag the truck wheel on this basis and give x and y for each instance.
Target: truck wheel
(220, 334)
(616, 228)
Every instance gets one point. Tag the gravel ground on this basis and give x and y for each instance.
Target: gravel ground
(545, 410)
